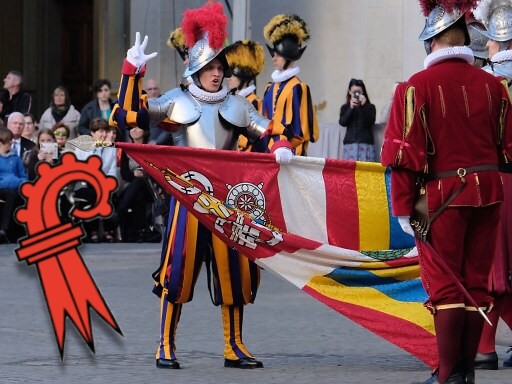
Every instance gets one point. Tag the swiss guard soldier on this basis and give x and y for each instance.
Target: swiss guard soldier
(287, 99)
(497, 16)
(445, 138)
(201, 115)
(246, 59)
(478, 41)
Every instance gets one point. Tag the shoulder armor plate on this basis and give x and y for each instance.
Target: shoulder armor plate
(177, 105)
(239, 112)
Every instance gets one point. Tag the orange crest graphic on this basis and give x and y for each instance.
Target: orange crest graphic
(53, 246)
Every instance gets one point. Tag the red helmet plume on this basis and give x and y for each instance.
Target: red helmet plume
(448, 5)
(209, 19)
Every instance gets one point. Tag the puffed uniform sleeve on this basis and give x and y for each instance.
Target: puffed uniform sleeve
(405, 147)
(131, 107)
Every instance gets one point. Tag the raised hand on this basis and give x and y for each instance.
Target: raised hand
(135, 55)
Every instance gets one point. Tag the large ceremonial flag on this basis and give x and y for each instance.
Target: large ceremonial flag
(324, 225)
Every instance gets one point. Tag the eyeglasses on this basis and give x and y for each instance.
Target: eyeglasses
(57, 133)
(152, 89)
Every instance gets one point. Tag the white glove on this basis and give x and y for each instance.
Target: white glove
(405, 223)
(136, 56)
(283, 155)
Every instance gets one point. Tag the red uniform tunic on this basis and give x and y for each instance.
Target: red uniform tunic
(449, 116)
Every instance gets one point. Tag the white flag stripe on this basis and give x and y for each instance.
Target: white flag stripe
(303, 198)
(299, 267)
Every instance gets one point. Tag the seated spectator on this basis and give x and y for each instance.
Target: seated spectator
(112, 137)
(41, 152)
(157, 135)
(61, 110)
(136, 196)
(13, 97)
(16, 124)
(100, 106)
(29, 131)
(99, 129)
(61, 132)
(12, 175)
(112, 134)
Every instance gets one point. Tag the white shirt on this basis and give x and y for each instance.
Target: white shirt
(108, 157)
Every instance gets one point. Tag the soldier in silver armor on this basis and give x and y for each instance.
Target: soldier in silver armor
(202, 115)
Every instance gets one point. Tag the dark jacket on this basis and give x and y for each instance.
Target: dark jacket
(90, 111)
(26, 146)
(20, 102)
(359, 122)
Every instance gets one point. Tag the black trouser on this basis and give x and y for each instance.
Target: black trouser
(10, 198)
(136, 196)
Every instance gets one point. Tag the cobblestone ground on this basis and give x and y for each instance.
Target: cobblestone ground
(299, 339)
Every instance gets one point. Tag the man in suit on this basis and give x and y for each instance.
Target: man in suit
(15, 124)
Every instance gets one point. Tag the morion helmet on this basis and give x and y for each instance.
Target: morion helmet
(205, 33)
(442, 14)
(286, 33)
(497, 17)
(246, 59)
(478, 42)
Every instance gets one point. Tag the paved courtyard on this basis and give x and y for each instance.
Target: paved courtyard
(300, 340)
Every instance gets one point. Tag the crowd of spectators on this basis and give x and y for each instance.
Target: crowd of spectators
(137, 194)
(25, 142)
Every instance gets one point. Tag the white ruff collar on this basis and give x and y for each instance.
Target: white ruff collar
(207, 97)
(463, 52)
(247, 91)
(502, 56)
(280, 76)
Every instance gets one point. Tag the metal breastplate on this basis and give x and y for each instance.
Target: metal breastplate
(207, 132)
(207, 122)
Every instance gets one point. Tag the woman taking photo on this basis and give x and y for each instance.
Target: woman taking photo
(358, 115)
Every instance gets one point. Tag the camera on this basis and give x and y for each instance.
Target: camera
(356, 95)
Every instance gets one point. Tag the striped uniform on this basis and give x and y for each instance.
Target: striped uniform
(187, 244)
(243, 143)
(290, 103)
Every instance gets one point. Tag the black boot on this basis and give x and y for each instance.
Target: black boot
(486, 361)
(470, 377)
(168, 364)
(244, 363)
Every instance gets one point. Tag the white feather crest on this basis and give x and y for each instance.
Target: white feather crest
(485, 8)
